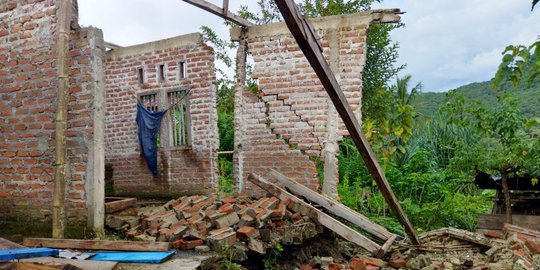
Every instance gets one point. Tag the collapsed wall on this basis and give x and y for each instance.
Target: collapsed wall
(28, 95)
(176, 73)
(291, 125)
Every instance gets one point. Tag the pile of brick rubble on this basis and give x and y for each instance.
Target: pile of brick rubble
(207, 223)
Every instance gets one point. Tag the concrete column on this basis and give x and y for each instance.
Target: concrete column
(330, 151)
(239, 115)
(96, 160)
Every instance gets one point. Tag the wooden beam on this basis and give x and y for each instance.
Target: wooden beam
(221, 12)
(307, 42)
(6, 244)
(333, 206)
(225, 6)
(119, 204)
(322, 218)
(96, 244)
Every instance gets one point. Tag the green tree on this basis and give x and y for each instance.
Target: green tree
(507, 143)
(516, 60)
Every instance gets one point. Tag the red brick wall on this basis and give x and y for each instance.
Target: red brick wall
(287, 122)
(28, 86)
(182, 170)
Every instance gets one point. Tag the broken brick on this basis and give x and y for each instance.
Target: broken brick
(215, 242)
(397, 263)
(256, 246)
(226, 208)
(358, 264)
(227, 221)
(336, 266)
(187, 244)
(247, 232)
(494, 234)
(533, 245)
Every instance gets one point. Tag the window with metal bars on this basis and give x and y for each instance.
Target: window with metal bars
(179, 112)
(151, 102)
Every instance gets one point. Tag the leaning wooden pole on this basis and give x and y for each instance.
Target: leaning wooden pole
(63, 15)
(307, 41)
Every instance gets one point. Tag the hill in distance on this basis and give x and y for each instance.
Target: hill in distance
(427, 104)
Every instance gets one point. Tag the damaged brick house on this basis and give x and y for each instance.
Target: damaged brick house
(290, 126)
(101, 128)
(178, 71)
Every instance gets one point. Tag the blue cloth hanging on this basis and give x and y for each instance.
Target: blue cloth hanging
(148, 123)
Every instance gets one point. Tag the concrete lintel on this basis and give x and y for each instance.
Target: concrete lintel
(324, 23)
(174, 42)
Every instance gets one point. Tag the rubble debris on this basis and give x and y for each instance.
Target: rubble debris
(250, 228)
(327, 221)
(334, 207)
(207, 223)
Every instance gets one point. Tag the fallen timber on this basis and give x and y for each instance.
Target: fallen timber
(322, 218)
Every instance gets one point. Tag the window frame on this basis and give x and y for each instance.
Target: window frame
(187, 103)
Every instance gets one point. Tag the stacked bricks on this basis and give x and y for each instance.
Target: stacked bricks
(28, 85)
(286, 126)
(190, 169)
(204, 223)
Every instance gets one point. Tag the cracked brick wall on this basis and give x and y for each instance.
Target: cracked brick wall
(287, 124)
(28, 85)
(188, 169)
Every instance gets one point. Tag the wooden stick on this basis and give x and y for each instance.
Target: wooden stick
(96, 244)
(315, 214)
(333, 206)
(225, 14)
(306, 39)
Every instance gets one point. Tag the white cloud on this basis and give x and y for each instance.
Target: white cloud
(448, 43)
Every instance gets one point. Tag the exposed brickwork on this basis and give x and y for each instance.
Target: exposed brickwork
(287, 122)
(28, 85)
(182, 170)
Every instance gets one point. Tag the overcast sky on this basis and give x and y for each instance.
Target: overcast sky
(445, 43)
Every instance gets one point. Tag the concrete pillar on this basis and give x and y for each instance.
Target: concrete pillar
(239, 115)
(331, 147)
(96, 160)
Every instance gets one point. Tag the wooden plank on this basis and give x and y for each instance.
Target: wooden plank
(119, 205)
(496, 221)
(225, 14)
(21, 253)
(83, 264)
(133, 257)
(509, 228)
(307, 41)
(333, 206)
(6, 244)
(386, 246)
(33, 266)
(96, 244)
(315, 214)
